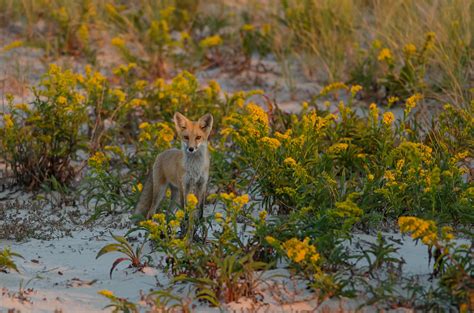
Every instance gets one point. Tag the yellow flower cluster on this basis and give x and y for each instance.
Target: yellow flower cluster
(289, 161)
(247, 27)
(409, 49)
(257, 113)
(333, 86)
(415, 151)
(191, 200)
(211, 41)
(106, 293)
(285, 136)
(412, 101)
(271, 143)
(337, 148)
(355, 89)
(12, 45)
(138, 188)
(425, 230)
(8, 121)
(124, 69)
(388, 118)
(347, 208)
(299, 251)
(391, 100)
(374, 112)
(118, 42)
(180, 215)
(98, 159)
(262, 215)
(385, 55)
(236, 202)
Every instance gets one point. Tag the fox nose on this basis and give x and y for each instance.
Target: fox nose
(191, 149)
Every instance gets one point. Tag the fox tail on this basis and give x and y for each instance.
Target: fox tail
(146, 197)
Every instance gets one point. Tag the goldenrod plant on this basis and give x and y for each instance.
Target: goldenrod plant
(6, 260)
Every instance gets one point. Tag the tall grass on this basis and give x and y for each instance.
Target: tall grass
(325, 35)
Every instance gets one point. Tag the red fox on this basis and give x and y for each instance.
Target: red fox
(183, 171)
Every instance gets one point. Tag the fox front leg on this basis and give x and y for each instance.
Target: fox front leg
(201, 194)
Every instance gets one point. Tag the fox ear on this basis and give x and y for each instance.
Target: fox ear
(180, 121)
(205, 122)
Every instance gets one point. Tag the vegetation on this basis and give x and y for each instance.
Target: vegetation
(287, 189)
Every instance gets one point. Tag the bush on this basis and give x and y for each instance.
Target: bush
(39, 141)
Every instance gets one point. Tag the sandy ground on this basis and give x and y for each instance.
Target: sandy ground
(62, 273)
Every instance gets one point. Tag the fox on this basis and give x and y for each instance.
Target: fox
(184, 170)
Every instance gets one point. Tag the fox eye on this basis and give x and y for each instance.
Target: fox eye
(198, 137)
(186, 137)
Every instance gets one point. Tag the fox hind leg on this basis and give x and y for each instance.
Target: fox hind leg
(175, 197)
(159, 192)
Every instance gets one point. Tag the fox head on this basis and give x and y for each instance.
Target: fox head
(193, 135)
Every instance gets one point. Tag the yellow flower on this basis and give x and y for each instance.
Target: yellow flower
(159, 217)
(409, 49)
(123, 69)
(211, 41)
(370, 177)
(12, 45)
(355, 89)
(138, 188)
(174, 224)
(257, 113)
(297, 250)
(385, 55)
(241, 200)
(271, 241)
(388, 118)
(144, 125)
(430, 39)
(446, 232)
(337, 148)
(284, 136)
(315, 258)
(272, 143)
(412, 101)
(289, 161)
(218, 217)
(392, 100)
(97, 159)
(262, 215)
(191, 200)
(333, 86)
(227, 196)
(121, 96)
(180, 214)
(425, 230)
(7, 118)
(377, 44)
(106, 293)
(62, 100)
(247, 27)
(118, 42)
(374, 111)
(388, 175)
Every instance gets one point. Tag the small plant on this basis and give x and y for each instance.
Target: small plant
(6, 260)
(40, 140)
(229, 278)
(117, 304)
(453, 263)
(134, 256)
(378, 254)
